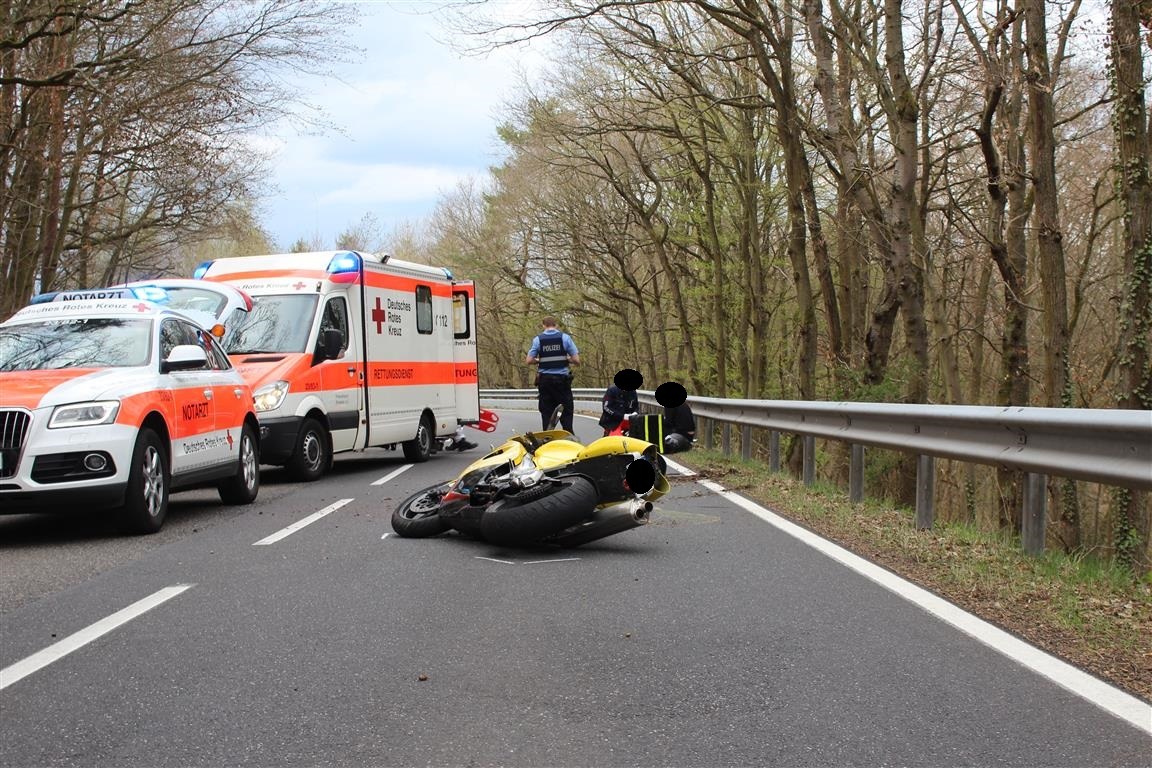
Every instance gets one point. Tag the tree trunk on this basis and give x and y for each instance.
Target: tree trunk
(1049, 238)
(1130, 118)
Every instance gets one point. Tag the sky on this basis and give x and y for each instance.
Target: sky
(414, 119)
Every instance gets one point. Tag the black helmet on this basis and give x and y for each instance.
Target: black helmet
(676, 442)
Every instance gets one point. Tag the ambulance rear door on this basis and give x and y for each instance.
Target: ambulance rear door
(467, 385)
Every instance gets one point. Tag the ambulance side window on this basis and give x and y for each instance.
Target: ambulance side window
(423, 309)
(335, 317)
(173, 333)
(460, 316)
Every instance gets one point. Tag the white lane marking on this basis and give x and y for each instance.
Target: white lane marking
(680, 468)
(494, 560)
(77, 640)
(393, 474)
(1103, 695)
(301, 523)
(385, 535)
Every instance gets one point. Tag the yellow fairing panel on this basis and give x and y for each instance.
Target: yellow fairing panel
(605, 446)
(556, 453)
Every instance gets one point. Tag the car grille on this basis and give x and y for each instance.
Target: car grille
(13, 432)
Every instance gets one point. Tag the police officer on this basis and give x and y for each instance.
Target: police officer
(554, 351)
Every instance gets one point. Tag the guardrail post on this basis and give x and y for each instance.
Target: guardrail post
(746, 442)
(856, 475)
(809, 443)
(1034, 520)
(726, 438)
(925, 491)
(773, 451)
(707, 424)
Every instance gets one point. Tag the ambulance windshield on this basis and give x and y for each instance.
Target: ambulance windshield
(79, 342)
(275, 324)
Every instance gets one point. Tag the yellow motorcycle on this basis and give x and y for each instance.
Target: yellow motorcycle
(543, 489)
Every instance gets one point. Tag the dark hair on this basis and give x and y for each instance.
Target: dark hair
(548, 322)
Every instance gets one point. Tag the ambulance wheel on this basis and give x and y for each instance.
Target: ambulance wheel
(419, 448)
(146, 498)
(243, 486)
(312, 456)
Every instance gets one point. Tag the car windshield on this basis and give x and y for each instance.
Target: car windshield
(82, 342)
(274, 324)
(185, 298)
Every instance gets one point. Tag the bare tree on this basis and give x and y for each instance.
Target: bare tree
(125, 128)
(1131, 536)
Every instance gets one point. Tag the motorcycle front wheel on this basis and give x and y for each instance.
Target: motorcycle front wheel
(418, 516)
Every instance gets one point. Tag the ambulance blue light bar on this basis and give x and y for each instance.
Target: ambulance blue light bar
(344, 262)
(345, 267)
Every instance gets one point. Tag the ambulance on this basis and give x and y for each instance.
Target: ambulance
(347, 351)
(110, 399)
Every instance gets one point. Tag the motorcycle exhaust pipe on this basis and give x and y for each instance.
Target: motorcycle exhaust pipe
(606, 522)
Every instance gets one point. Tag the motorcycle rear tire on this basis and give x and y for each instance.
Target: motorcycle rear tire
(527, 518)
(418, 516)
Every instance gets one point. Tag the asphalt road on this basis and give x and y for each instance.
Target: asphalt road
(707, 638)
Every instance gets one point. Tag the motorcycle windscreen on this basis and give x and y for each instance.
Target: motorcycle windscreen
(464, 344)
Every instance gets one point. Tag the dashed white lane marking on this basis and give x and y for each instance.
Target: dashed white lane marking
(393, 474)
(62, 648)
(301, 523)
(385, 535)
(1107, 697)
(494, 560)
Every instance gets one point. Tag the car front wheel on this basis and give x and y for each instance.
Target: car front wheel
(146, 499)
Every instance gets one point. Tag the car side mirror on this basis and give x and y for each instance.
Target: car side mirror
(185, 357)
(329, 344)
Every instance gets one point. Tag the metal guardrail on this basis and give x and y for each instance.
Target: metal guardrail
(1112, 447)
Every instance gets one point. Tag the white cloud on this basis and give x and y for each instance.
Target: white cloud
(408, 120)
(374, 184)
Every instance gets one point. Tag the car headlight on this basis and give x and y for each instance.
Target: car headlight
(270, 396)
(84, 414)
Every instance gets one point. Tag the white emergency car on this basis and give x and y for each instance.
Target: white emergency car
(108, 400)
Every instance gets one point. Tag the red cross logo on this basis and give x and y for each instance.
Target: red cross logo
(378, 316)
(229, 434)
(299, 286)
(142, 307)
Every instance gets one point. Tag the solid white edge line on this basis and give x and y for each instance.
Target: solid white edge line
(557, 560)
(494, 560)
(680, 468)
(393, 474)
(282, 533)
(1103, 695)
(62, 648)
